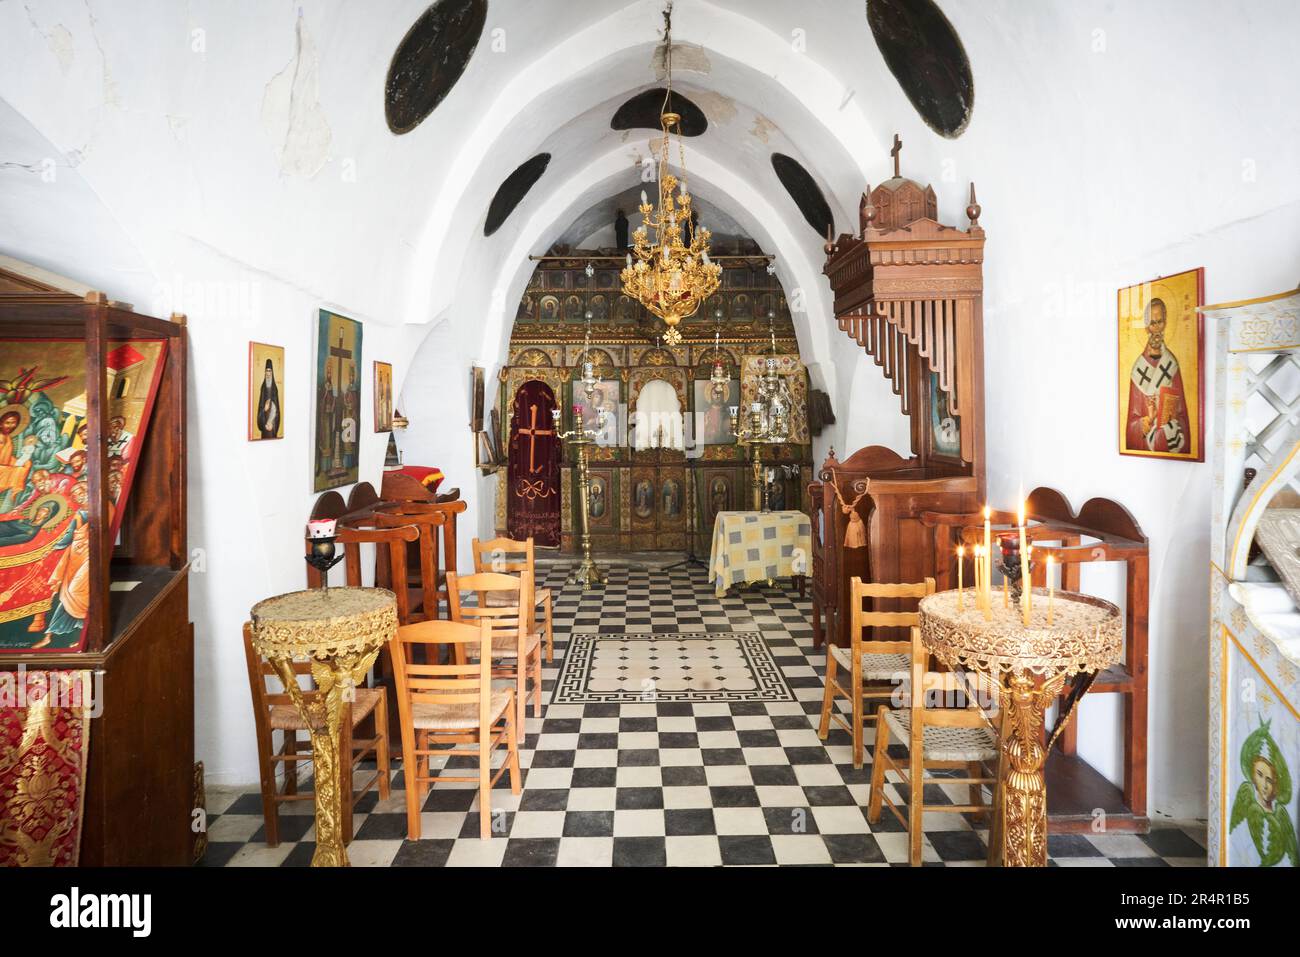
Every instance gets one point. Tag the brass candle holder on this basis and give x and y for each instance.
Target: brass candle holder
(321, 553)
(587, 574)
(770, 427)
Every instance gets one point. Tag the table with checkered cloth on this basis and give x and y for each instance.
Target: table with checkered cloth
(758, 546)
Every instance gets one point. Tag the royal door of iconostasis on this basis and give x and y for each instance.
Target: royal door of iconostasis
(645, 499)
(533, 469)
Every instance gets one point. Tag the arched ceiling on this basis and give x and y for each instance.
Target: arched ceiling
(272, 126)
(756, 90)
(594, 226)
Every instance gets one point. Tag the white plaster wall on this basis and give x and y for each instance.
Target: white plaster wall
(1103, 158)
(437, 393)
(130, 210)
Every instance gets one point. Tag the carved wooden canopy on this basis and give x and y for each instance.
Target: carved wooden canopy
(909, 290)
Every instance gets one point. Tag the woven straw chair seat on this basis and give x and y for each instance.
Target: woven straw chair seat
(503, 599)
(457, 717)
(507, 646)
(947, 744)
(285, 717)
(875, 667)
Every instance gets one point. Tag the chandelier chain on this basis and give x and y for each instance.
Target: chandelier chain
(672, 274)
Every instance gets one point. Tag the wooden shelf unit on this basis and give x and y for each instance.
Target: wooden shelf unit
(140, 781)
(1101, 531)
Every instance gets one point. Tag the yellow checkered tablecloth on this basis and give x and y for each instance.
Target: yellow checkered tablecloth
(757, 546)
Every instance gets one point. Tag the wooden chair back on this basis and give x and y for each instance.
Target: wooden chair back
(415, 651)
(861, 620)
(448, 510)
(357, 531)
(264, 699)
(422, 570)
(504, 555)
(508, 616)
(948, 699)
(510, 556)
(362, 497)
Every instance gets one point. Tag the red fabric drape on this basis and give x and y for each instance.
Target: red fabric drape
(44, 726)
(533, 506)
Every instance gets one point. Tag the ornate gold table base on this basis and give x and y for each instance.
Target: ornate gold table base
(1018, 837)
(335, 680)
(341, 631)
(1031, 664)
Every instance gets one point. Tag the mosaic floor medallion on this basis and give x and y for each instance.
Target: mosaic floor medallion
(687, 666)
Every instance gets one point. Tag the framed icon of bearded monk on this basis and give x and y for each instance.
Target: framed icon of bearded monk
(1161, 368)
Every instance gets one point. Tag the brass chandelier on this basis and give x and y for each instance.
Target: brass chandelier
(672, 275)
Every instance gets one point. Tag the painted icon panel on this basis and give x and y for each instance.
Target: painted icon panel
(383, 397)
(338, 402)
(265, 392)
(44, 478)
(1161, 365)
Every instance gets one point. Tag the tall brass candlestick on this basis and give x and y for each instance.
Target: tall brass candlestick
(587, 574)
(756, 481)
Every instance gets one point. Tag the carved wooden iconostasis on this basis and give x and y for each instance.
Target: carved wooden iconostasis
(642, 498)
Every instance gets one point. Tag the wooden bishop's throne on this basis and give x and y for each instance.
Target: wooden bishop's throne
(909, 290)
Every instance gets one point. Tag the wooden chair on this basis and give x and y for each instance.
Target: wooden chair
(447, 561)
(275, 711)
(353, 532)
(506, 603)
(508, 555)
(957, 736)
(878, 663)
(454, 705)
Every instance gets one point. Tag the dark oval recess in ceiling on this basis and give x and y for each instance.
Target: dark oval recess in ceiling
(430, 59)
(805, 192)
(926, 56)
(512, 189)
(643, 110)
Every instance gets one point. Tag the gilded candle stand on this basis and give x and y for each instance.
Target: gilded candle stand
(587, 574)
(1031, 665)
(341, 631)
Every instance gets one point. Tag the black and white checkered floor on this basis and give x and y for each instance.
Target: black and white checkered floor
(668, 783)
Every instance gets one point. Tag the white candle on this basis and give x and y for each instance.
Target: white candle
(1051, 588)
(1026, 586)
(961, 560)
(988, 554)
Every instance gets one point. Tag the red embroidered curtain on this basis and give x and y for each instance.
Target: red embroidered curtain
(44, 726)
(533, 506)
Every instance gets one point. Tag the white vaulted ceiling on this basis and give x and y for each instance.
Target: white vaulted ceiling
(257, 129)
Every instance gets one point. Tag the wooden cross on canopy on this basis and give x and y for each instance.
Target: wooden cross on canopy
(898, 148)
(533, 432)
